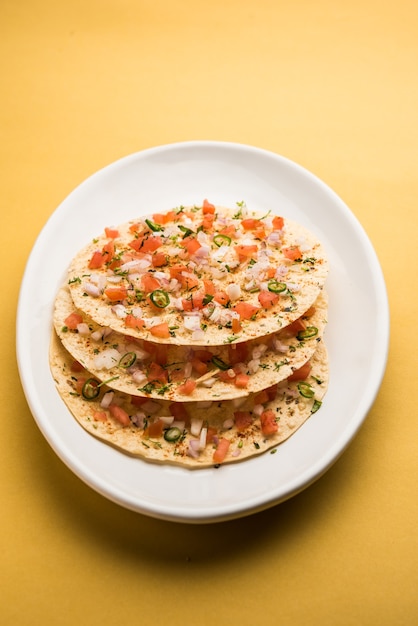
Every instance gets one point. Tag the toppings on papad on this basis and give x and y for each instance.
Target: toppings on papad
(195, 336)
(221, 372)
(200, 275)
(196, 435)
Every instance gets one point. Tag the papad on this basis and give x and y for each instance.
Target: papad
(266, 361)
(290, 407)
(199, 277)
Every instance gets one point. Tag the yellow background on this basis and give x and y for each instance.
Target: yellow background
(332, 85)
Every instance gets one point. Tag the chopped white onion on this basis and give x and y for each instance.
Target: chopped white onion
(107, 359)
(83, 329)
(107, 399)
(196, 426)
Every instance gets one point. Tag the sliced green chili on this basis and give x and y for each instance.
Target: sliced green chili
(160, 298)
(185, 230)
(153, 226)
(91, 389)
(220, 240)
(316, 405)
(305, 390)
(127, 360)
(308, 333)
(275, 286)
(220, 364)
(172, 434)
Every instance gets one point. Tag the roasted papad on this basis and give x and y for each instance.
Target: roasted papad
(200, 275)
(141, 368)
(202, 429)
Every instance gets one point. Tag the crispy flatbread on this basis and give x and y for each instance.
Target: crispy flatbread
(148, 425)
(201, 275)
(134, 365)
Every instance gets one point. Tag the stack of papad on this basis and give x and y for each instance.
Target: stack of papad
(194, 337)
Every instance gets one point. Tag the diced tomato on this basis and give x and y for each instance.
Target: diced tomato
(310, 311)
(259, 233)
(225, 376)
(245, 252)
(138, 400)
(177, 374)
(111, 232)
(133, 322)
(149, 283)
(164, 218)
(159, 259)
(269, 425)
(159, 354)
(295, 327)
(151, 244)
(250, 223)
(100, 416)
(199, 366)
(292, 252)
(209, 287)
(243, 419)
(188, 281)
(157, 374)
(221, 450)
(208, 207)
(237, 353)
(195, 301)
(187, 387)
(261, 397)
(160, 330)
(179, 412)
(97, 260)
(119, 414)
(146, 244)
(236, 325)
(246, 310)
(301, 373)
(229, 231)
(203, 355)
(221, 297)
(211, 434)
(155, 429)
(116, 294)
(191, 244)
(177, 270)
(108, 251)
(272, 391)
(72, 320)
(241, 381)
(79, 384)
(278, 223)
(76, 367)
(207, 223)
(267, 299)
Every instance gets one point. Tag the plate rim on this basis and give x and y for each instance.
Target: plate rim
(201, 515)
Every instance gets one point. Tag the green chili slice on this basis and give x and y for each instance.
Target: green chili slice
(316, 405)
(220, 364)
(275, 286)
(90, 389)
(153, 226)
(221, 240)
(185, 230)
(172, 434)
(305, 390)
(308, 333)
(160, 298)
(127, 360)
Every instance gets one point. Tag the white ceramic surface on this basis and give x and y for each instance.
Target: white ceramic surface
(357, 335)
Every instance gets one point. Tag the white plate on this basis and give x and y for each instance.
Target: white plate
(357, 334)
